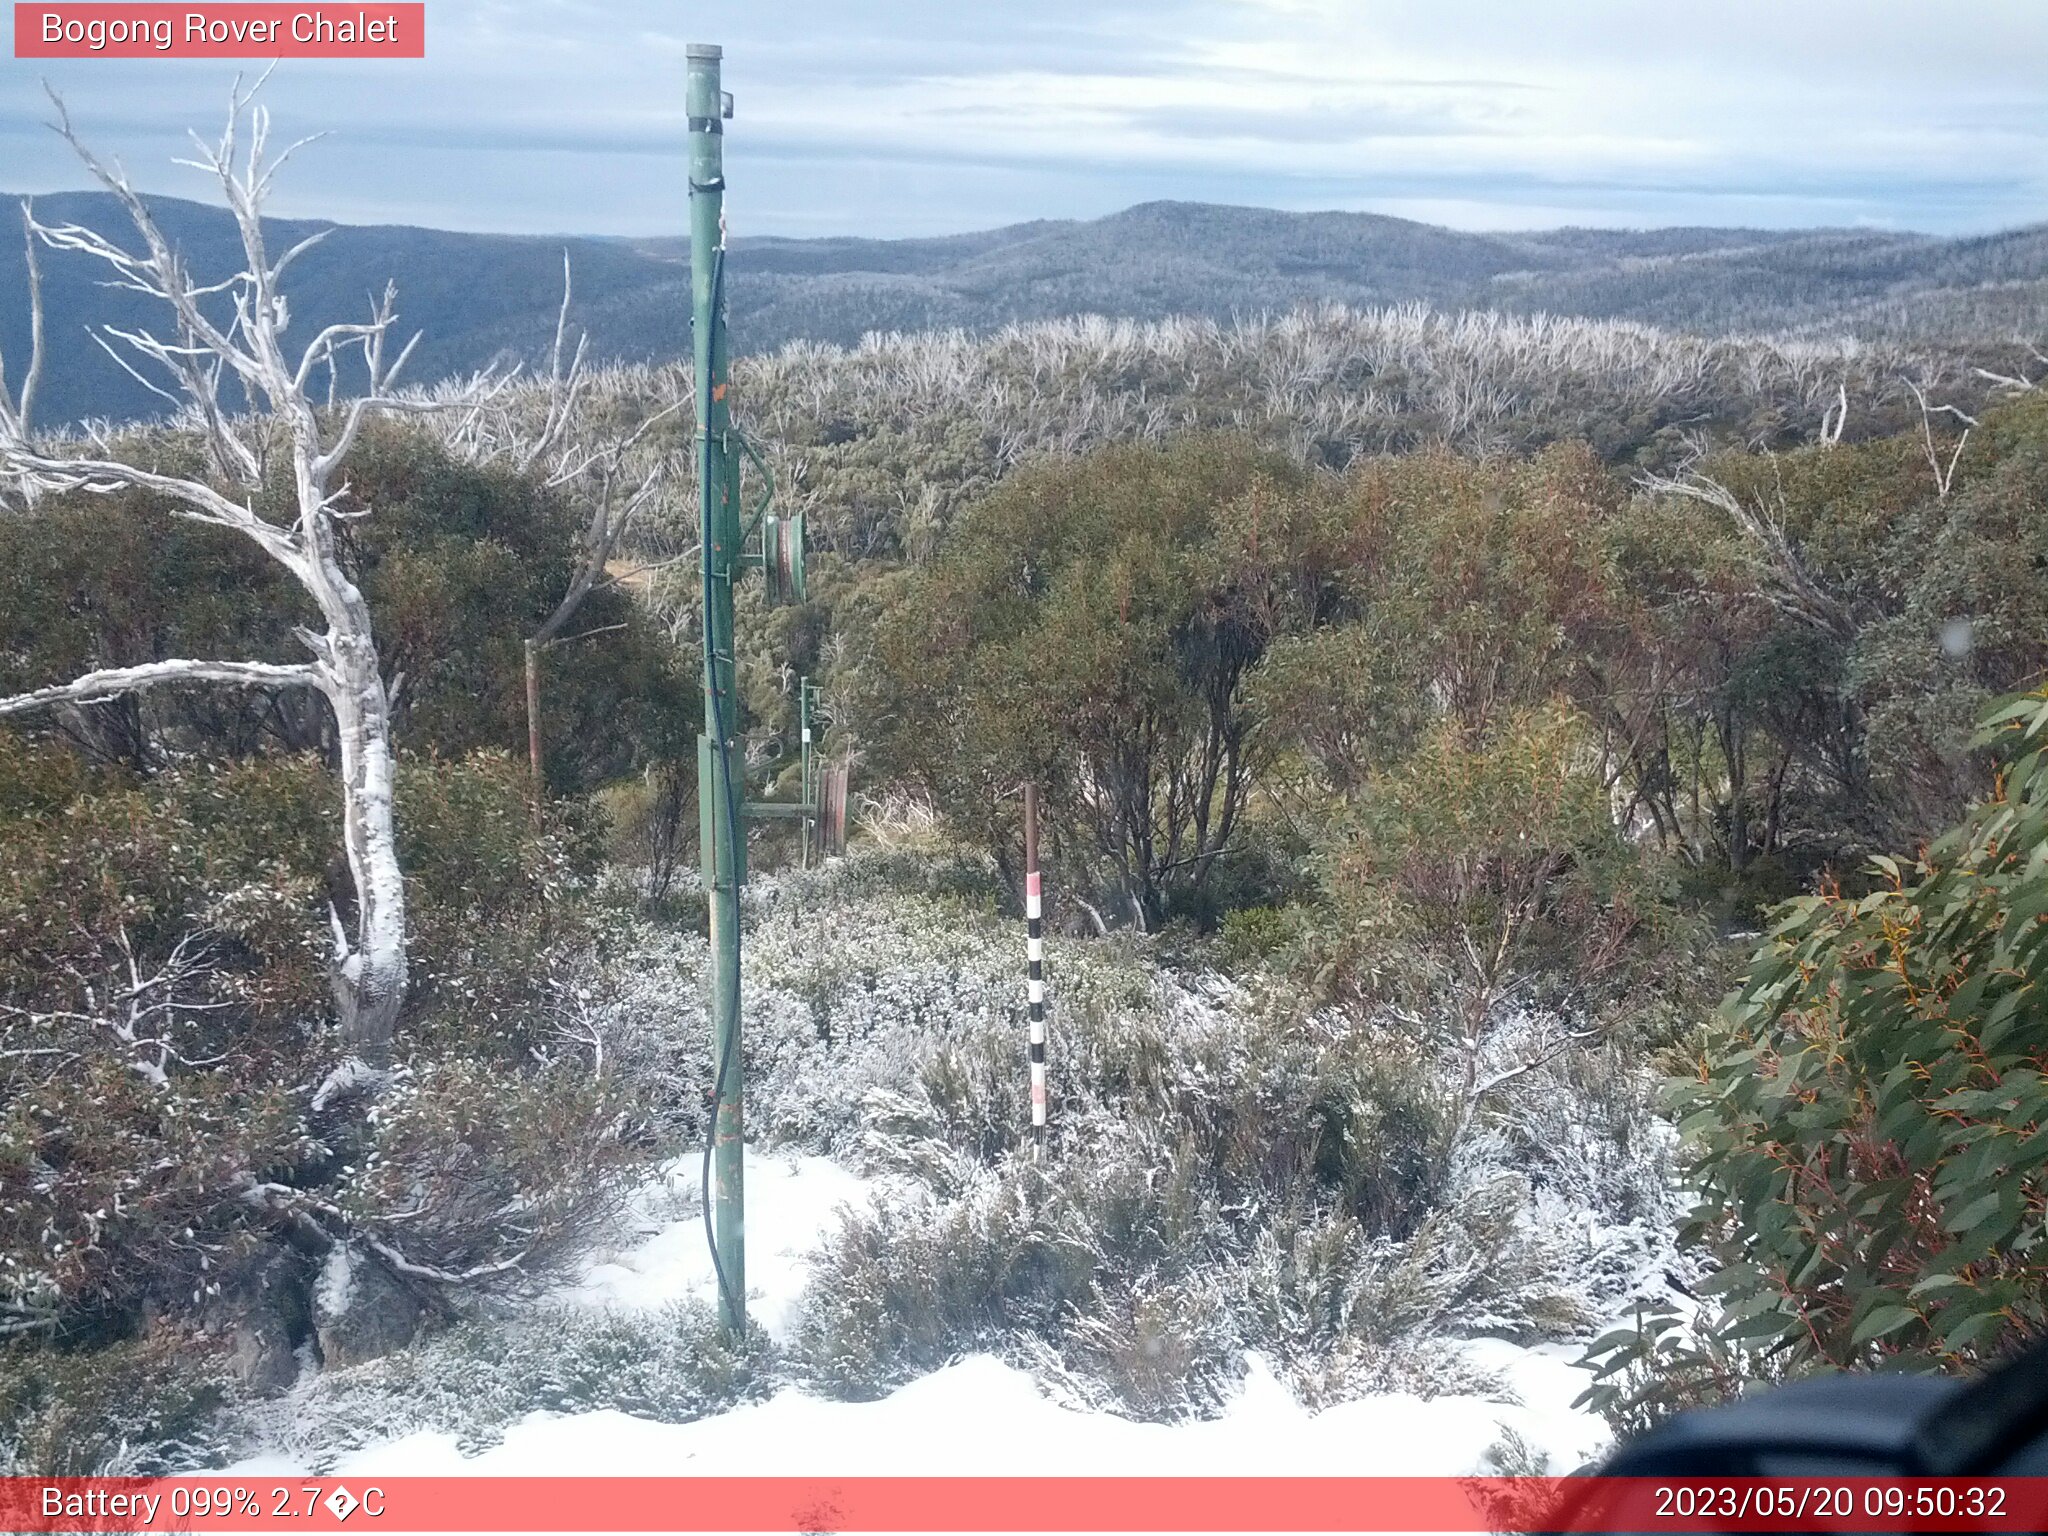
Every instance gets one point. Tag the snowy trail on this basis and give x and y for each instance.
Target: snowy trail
(978, 1416)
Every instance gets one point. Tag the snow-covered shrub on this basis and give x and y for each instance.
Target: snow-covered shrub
(1121, 1279)
(1343, 1312)
(636, 1015)
(139, 1408)
(1017, 1264)
(1149, 1348)
(886, 971)
(1294, 1166)
(494, 1175)
(1587, 1126)
(672, 1363)
(904, 1287)
(1275, 1174)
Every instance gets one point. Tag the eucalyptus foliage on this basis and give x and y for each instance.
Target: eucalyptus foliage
(1869, 1120)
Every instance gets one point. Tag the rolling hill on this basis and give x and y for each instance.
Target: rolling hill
(480, 297)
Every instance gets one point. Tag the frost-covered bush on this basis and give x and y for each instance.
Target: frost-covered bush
(1343, 1311)
(1084, 1274)
(878, 973)
(1232, 1168)
(910, 1284)
(483, 1171)
(1153, 1348)
(672, 1363)
(139, 1408)
(1120, 1279)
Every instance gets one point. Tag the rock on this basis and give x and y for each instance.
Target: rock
(263, 1310)
(263, 1357)
(361, 1311)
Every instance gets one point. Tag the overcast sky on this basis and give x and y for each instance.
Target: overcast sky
(897, 117)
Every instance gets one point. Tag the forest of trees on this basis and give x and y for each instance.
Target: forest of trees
(1505, 747)
(479, 298)
(1467, 694)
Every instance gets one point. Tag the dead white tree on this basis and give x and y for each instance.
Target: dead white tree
(605, 474)
(1789, 583)
(1944, 472)
(369, 971)
(2018, 383)
(17, 407)
(1835, 418)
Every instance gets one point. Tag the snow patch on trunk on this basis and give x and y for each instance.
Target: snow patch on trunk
(337, 1282)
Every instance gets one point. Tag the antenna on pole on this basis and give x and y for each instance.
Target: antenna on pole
(733, 539)
(722, 848)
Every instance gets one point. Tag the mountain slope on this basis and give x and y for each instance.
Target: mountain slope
(477, 297)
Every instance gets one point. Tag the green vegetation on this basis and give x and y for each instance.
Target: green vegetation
(1868, 1120)
(171, 1167)
(1466, 751)
(459, 565)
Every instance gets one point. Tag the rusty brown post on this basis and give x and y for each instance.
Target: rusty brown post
(538, 785)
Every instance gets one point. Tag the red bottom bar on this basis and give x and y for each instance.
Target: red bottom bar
(1062, 1504)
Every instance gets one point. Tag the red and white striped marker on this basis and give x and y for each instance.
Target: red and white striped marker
(1034, 970)
(1034, 987)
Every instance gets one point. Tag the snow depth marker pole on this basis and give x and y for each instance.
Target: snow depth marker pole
(1034, 969)
(720, 832)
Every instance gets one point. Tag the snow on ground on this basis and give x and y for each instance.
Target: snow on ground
(980, 1417)
(977, 1416)
(661, 1256)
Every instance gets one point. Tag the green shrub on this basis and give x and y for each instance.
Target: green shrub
(165, 1005)
(459, 565)
(1869, 1124)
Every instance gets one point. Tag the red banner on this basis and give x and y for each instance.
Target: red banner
(221, 31)
(1061, 1504)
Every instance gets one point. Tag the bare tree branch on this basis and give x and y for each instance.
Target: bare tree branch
(17, 411)
(119, 680)
(1792, 586)
(1835, 418)
(1944, 473)
(2017, 383)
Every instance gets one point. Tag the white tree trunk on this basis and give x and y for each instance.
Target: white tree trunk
(369, 979)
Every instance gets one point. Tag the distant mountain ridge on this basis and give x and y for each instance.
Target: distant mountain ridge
(477, 297)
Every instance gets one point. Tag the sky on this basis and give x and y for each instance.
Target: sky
(916, 117)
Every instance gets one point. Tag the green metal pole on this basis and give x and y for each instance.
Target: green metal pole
(723, 852)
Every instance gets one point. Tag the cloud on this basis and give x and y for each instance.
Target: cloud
(922, 116)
